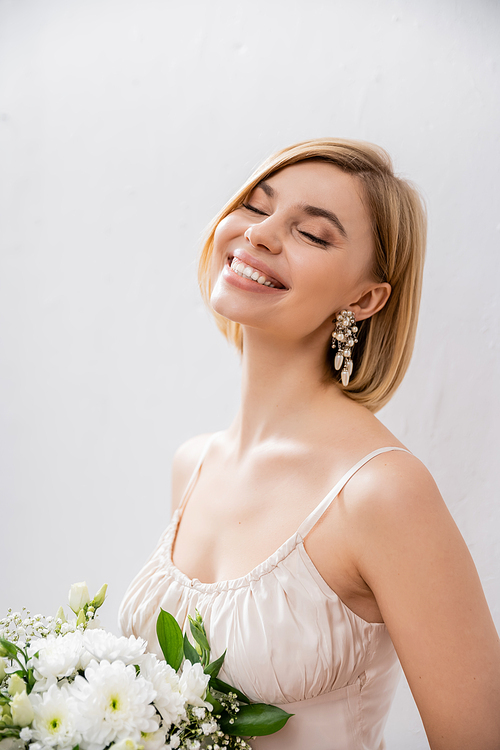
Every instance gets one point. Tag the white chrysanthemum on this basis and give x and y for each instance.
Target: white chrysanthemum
(58, 657)
(193, 684)
(153, 740)
(113, 704)
(54, 724)
(169, 700)
(127, 744)
(106, 646)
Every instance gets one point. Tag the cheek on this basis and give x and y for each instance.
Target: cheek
(226, 230)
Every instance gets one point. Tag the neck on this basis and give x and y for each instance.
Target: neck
(284, 394)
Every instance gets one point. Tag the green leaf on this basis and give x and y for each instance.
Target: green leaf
(10, 649)
(190, 652)
(199, 635)
(214, 667)
(223, 687)
(170, 639)
(218, 708)
(257, 719)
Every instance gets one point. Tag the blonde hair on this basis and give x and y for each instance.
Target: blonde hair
(386, 340)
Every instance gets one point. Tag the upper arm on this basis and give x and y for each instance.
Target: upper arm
(183, 465)
(414, 559)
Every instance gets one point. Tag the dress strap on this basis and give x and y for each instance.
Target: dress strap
(195, 474)
(315, 515)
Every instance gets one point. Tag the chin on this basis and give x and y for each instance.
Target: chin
(222, 305)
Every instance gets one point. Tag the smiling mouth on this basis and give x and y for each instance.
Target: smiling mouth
(253, 274)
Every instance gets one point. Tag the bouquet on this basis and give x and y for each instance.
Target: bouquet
(70, 685)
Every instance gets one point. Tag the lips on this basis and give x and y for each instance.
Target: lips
(251, 264)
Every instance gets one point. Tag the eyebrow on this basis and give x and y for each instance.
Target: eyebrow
(309, 210)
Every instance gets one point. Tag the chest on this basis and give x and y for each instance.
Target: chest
(236, 518)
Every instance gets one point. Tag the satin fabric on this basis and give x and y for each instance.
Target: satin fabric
(290, 640)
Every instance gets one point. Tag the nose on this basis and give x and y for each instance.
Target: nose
(263, 236)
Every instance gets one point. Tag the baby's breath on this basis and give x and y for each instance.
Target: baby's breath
(22, 627)
(56, 674)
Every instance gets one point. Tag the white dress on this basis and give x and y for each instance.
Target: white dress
(290, 640)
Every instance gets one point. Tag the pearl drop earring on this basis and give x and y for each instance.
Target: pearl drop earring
(344, 338)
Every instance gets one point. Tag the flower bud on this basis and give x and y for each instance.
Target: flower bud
(22, 710)
(16, 685)
(81, 619)
(60, 615)
(99, 598)
(2, 669)
(78, 596)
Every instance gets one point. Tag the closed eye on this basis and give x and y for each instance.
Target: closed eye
(317, 240)
(252, 208)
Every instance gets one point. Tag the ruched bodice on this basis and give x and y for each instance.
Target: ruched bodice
(290, 640)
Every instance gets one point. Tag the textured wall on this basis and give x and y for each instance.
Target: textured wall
(124, 125)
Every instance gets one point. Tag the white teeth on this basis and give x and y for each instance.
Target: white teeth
(250, 273)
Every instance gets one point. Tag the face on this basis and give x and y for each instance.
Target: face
(297, 251)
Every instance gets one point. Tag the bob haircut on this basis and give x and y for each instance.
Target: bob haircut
(386, 340)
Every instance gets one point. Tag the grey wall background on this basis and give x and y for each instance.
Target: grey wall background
(124, 126)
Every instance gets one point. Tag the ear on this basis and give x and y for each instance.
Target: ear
(371, 301)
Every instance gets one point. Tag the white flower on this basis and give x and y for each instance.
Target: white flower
(16, 685)
(93, 624)
(209, 727)
(26, 734)
(21, 709)
(103, 645)
(68, 627)
(127, 744)
(113, 704)
(54, 724)
(59, 657)
(193, 684)
(153, 740)
(169, 701)
(199, 712)
(78, 596)
(193, 744)
(173, 744)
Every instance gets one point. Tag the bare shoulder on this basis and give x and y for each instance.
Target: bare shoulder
(392, 482)
(395, 507)
(409, 551)
(184, 463)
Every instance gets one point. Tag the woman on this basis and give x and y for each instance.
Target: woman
(314, 271)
